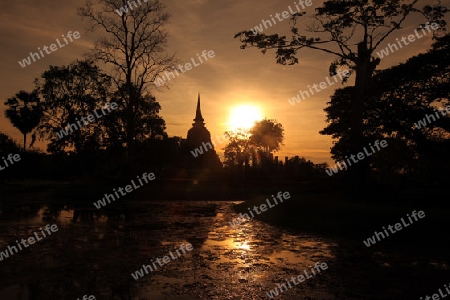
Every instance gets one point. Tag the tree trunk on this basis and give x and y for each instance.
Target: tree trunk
(358, 172)
(131, 128)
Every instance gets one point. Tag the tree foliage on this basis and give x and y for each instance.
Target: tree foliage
(134, 47)
(69, 93)
(149, 125)
(339, 25)
(7, 145)
(398, 98)
(238, 150)
(350, 30)
(265, 137)
(24, 112)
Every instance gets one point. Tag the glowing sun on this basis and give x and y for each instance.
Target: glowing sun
(244, 116)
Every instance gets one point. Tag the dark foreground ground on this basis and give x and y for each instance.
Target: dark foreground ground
(95, 251)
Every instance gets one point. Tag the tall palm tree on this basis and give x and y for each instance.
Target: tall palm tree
(25, 112)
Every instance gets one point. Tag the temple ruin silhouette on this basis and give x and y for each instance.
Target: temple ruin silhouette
(198, 137)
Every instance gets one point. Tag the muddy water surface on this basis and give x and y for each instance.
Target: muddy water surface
(94, 253)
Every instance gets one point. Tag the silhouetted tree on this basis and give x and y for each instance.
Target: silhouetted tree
(238, 149)
(7, 145)
(267, 136)
(134, 46)
(149, 124)
(24, 112)
(69, 93)
(339, 27)
(398, 98)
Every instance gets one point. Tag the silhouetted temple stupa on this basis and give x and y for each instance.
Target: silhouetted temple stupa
(199, 142)
(198, 133)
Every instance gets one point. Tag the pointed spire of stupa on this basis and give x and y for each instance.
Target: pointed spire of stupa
(198, 113)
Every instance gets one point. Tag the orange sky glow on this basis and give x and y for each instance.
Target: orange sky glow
(232, 78)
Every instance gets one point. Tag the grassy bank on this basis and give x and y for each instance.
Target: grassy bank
(333, 214)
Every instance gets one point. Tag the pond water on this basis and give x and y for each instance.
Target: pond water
(94, 252)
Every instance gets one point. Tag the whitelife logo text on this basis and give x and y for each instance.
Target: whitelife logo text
(10, 158)
(398, 227)
(33, 56)
(360, 156)
(188, 66)
(31, 240)
(285, 15)
(128, 189)
(411, 38)
(262, 207)
(161, 261)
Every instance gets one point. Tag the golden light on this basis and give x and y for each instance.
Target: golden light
(244, 246)
(244, 116)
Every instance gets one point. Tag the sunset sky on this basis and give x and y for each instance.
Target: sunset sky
(233, 77)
